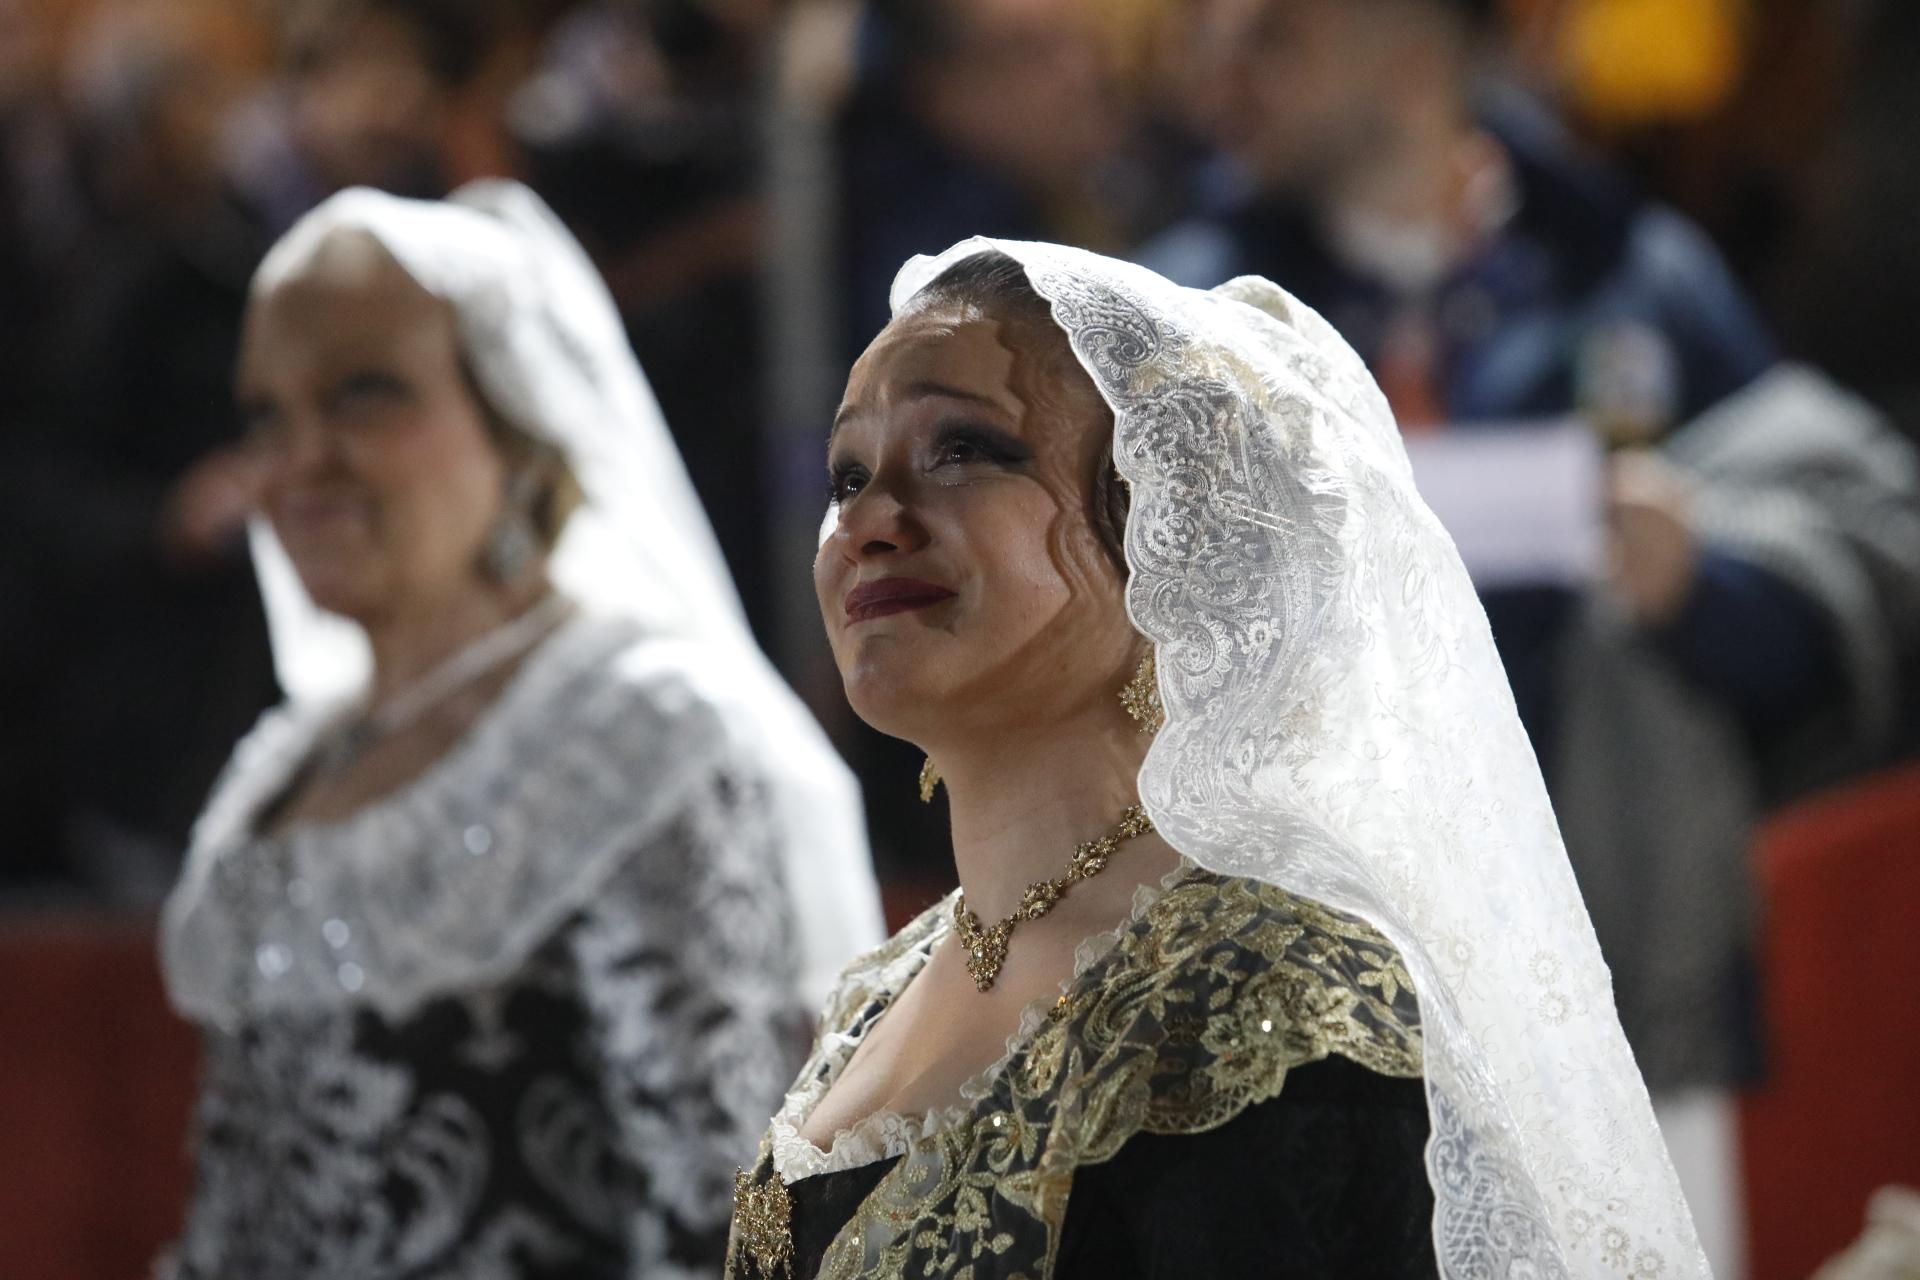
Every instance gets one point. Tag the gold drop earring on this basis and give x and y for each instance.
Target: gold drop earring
(929, 779)
(1141, 696)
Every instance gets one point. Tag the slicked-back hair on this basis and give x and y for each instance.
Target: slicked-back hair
(995, 284)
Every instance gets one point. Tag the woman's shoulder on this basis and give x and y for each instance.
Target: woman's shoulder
(1327, 980)
(1222, 987)
(1242, 935)
(625, 721)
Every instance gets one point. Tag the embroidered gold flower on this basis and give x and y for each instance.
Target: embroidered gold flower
(763, 1223)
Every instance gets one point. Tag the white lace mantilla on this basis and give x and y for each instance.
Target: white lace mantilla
(1339, 725)
(452, 881)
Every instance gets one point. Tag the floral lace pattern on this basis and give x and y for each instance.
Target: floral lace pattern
(1196, 1011)
(1339, 724)
(596, 1102)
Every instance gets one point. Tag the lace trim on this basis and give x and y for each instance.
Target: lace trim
(884, 1135)
(452, 880)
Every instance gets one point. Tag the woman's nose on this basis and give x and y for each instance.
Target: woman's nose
(879, 521)
(296, 445)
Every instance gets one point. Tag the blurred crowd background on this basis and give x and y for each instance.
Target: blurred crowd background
(749, 174)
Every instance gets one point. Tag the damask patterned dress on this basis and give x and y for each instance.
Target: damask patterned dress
(521, 1019)
(1229, 1087)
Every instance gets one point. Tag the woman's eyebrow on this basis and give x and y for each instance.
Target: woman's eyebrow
(922, 389)
(926, 388)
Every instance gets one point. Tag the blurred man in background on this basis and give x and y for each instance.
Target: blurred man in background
(38, 227)
(1483, 265)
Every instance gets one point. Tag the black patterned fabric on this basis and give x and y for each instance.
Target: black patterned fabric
(1325, 1180)
(580, 1119)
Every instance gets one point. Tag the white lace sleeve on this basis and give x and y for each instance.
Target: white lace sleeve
(686, 963)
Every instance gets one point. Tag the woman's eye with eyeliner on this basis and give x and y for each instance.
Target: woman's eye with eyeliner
(960, 446)
(844, 482)
(962, 450)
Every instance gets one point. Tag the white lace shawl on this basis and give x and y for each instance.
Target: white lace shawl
(1340, 725)
(596, 746)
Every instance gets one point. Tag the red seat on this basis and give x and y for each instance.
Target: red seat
(97, 1077)
(1840, 1112)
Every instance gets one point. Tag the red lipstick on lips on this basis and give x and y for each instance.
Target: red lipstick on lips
(883, 596)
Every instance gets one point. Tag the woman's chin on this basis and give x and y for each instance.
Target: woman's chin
(896, 702)
(346, 594)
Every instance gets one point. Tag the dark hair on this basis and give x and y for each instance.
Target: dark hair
(995, 283)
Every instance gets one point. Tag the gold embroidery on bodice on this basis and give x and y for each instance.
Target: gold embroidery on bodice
(1197, 1012)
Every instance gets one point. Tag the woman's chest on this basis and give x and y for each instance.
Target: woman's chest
(922, 1051)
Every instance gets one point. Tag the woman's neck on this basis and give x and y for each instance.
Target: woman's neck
(410, 642)
(1021, 803)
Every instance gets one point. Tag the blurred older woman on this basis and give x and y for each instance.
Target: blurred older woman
(502, 930)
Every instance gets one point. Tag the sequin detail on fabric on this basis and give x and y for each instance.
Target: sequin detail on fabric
(1197, 1012)
(762, 1225)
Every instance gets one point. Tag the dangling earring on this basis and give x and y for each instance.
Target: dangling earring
(512, 542)
(510, 547)
(1141, 696)
(929, 779)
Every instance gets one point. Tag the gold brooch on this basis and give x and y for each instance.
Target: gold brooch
(762, 1218)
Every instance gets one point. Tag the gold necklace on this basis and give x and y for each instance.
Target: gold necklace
(986, 947)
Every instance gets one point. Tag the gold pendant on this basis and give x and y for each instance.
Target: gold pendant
(986, 947)
(762, 1220)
